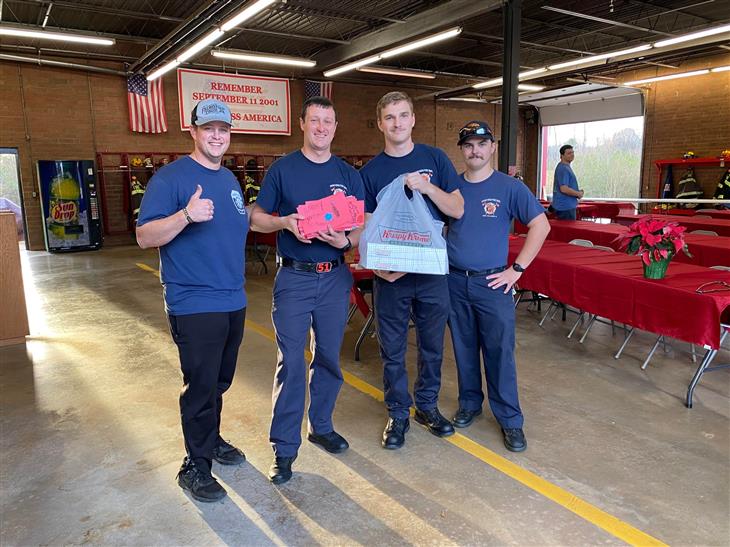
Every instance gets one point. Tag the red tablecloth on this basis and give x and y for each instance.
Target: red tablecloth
(705, 250)
(610, 209)
(720, 226)
(612, 285)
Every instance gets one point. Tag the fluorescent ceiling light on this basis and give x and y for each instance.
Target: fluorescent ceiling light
(464, 100)
(720, 69)
(395, 51)
(61, 36)
(422, 43)
(246, 14)
(397, 72)
(489, 83)
(532, 72)
(351, 66)
(693, 36)
(593, 58)
(530, 87)
(204, 42)
(162, 70)
(669, 77)
(264, 58)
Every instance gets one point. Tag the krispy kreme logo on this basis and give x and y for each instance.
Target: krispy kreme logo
(389, 234)
(64, 211)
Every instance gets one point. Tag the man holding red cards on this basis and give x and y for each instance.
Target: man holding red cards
(318, 198)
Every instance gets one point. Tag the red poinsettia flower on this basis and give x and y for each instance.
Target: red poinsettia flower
(653, 239)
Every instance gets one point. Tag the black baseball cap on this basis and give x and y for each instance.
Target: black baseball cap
(475, 128)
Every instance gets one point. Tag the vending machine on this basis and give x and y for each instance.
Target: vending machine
(70, 205)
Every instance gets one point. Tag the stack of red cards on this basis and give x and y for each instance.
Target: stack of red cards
(341, 212)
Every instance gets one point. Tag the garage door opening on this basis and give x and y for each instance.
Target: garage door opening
(607, 156)
(11, 198)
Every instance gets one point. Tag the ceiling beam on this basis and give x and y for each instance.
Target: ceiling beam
(306, 37)
(426, 22)
(456, 58)
(606, 21)
(197, 22)
(681, 10)
(531, 45)
(332, 13)
(79, 6)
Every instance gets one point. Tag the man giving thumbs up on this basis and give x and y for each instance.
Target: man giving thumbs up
(193, 211)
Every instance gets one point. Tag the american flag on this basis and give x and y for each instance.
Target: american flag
(146, 105)
(317, 89)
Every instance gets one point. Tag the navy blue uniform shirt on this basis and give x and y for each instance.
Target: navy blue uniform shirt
(428, 160)
(294, 179)
(479, 240)
(202, 268)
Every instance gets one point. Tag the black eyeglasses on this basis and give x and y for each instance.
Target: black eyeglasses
(721, 287)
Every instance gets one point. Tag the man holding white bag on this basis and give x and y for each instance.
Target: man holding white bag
(397, 295)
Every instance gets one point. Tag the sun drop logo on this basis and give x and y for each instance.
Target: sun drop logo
(238, 201)
(490, 207)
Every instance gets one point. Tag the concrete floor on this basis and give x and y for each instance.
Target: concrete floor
(91, 439)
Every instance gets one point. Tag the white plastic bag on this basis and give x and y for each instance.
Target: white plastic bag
(402, 235)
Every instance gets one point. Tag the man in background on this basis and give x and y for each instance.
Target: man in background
(565, 186)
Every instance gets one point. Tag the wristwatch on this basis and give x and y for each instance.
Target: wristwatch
(346, 247)
(516, 267)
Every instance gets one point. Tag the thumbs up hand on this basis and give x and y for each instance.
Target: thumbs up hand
(200, 210)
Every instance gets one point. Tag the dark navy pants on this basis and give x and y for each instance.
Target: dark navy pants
(568, 214)
(208, 346)
(482, 320)
(304, 301)
(427, 298)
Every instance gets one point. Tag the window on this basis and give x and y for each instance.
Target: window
(607, 156)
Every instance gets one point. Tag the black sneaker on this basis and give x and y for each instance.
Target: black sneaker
(394, 434)
(227, 454)
(434, 422)
(199, 482)
(514, 439)
(280, 470)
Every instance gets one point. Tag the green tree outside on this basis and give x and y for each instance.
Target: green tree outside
(607, 166)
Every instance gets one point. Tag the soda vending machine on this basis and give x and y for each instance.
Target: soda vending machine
(70, 205)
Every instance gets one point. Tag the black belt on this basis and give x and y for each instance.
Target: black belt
(472, 273)
(315, 267)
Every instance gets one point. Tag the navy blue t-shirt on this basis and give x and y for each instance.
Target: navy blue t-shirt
(479, 240)
(564, 176)
(380, 171)
(294, 179)
(202, 268)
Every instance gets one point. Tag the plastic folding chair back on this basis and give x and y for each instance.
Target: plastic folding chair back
(704, 232)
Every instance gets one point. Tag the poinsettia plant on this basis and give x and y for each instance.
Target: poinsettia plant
(654, 240)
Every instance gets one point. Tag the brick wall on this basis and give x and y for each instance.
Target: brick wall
(685, 114)
(50, 113)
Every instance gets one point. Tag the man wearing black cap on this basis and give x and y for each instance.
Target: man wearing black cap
(193, 211)
(482, 317)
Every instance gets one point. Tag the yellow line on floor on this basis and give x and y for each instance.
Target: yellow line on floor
(614, 526)
(147, 268)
